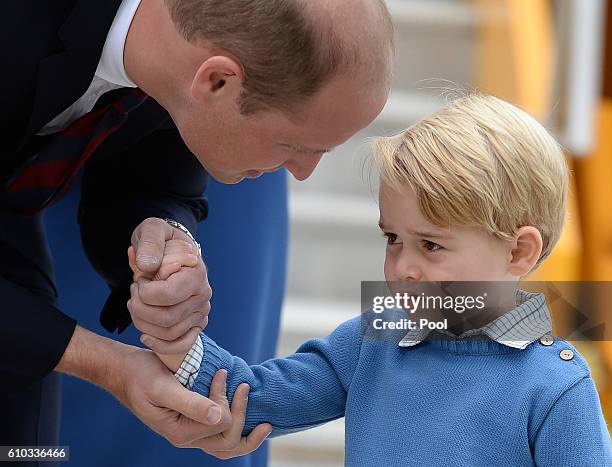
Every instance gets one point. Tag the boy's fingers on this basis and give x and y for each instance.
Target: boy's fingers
(177, 245)
(229, 440)
(255, 438)
(248, 444)
(166, 270)
(218, 388)
(238, 411)
(186, 259)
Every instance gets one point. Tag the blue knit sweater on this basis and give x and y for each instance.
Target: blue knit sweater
(444, 402)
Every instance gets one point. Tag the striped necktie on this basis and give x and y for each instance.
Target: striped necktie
(51, 172)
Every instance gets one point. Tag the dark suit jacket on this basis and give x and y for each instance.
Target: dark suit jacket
(50, 53)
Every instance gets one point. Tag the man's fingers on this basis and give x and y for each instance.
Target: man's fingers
(149, 240)
(177, 288)
(192, 405)
(197, 319)
(132, 259)
(167, 317)
(178, 346)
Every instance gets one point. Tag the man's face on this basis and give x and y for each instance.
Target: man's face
(232, 147)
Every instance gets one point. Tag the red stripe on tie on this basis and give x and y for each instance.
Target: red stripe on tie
(86, 123)
(42, 175)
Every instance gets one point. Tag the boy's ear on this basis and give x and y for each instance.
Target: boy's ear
(526, 250)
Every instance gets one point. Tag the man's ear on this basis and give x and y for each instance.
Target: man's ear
(217, 77)
(526, 250)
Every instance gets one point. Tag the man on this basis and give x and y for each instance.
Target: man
(235, 89)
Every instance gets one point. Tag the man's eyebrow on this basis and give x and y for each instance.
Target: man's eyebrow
(300, 148)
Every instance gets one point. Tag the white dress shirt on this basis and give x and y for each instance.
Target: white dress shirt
(109, 75)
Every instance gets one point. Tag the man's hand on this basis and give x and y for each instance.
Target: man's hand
(170, 313)
(177, 253)
(138, 379)
(182, 416)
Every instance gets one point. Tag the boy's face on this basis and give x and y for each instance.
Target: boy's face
(420, 251)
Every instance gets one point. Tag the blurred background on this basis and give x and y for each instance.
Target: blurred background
(553, 58)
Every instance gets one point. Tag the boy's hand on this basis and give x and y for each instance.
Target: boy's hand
(177, 254)
(231, 443)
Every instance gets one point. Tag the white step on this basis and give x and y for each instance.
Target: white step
(303, 319)
(330, 263)
(335, 243)
(434, 12)
(323, 445)
(333, 210)
(405, 108)
(434, 39)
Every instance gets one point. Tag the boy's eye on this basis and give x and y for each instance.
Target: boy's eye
(391, 238)
(431, 246)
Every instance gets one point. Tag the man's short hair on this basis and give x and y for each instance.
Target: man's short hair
(481, 162)
(287, 54)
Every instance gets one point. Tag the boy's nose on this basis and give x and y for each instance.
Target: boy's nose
(407, 270)
(302, 166)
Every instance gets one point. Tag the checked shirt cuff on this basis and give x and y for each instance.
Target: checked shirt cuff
(189, 369)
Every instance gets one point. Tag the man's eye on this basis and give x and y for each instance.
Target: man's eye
(391, 238)
(431, 246)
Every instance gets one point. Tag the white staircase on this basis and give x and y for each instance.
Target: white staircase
(335, 241)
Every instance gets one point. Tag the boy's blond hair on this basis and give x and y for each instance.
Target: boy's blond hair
(481, 162)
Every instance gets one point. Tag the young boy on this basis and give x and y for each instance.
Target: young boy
(475, 192)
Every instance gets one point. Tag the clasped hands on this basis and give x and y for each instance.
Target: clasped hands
(169, 304)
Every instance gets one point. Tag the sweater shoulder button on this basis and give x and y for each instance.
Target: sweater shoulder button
(566, 354)
(547, 340)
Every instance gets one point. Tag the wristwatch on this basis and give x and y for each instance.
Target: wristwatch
(185, 230)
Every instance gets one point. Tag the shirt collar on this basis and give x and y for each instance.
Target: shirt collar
(518, 328)
(111, 68)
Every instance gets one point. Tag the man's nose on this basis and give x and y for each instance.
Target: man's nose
(302, 166)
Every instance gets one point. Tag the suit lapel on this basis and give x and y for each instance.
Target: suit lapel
(65, 76)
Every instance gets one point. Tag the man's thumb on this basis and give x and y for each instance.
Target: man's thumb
(150, 244)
